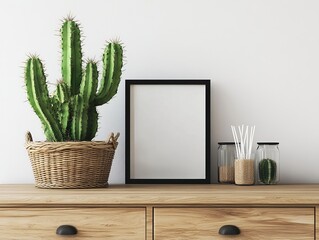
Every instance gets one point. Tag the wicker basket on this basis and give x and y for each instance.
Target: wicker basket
(85, 164)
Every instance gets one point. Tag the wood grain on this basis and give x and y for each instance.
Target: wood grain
(91, 223)
(149, 223)
(317, 223)
(254, 223)
(206, 194)
(181, 211)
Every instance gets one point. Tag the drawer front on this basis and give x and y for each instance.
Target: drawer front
(254, 223)
(91, 223)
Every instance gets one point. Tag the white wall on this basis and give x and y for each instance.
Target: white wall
(261, 55)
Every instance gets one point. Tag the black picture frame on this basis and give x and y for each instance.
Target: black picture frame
(142, 91)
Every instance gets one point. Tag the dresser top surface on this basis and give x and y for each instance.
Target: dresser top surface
(206, 194)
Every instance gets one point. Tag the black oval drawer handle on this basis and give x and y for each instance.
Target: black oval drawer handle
(66, 230)
(229, 230)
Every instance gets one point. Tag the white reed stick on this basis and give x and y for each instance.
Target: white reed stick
(246, 135)
(246, 142)
(236, 141)
(242, 145)
(252, 133)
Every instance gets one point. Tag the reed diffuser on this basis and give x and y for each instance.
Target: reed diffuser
(244, 161)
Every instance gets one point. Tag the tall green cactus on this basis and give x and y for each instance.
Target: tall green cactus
(70, 113)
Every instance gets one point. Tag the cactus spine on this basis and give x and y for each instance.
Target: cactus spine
(267, 171)
(70, 113)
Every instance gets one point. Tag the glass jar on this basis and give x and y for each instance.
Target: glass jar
(226, 157)
(267, 163)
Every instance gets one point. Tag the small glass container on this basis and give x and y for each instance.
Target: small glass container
(267, 162)
(226, 157)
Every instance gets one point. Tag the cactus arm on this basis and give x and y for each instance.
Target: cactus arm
(108, 68)
(93, 123)
(62, 105)
(118, 64)
(62, 113)
(62, 92)
(79, 119)
(112, 70)
(81, 116)
(64, 119)
(71, 55)
(89, 82)
(38, 97)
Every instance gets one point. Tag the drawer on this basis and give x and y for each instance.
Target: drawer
(254, 223)
(91, 223)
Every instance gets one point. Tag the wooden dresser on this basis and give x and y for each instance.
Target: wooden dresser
(160, 212)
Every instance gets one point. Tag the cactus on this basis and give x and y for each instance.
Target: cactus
(60, 102)
(267, 171)
(38, 96)
(70, 113)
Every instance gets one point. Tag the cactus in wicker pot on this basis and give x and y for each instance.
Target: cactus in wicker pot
(70, 114)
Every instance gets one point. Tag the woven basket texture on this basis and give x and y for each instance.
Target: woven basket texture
(85, 164)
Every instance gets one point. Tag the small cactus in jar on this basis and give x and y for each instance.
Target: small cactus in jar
(267, 169)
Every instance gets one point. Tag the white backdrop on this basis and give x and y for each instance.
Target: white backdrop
(261, 55)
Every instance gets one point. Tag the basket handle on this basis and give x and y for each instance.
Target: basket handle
(28, 137)
(113, 140)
